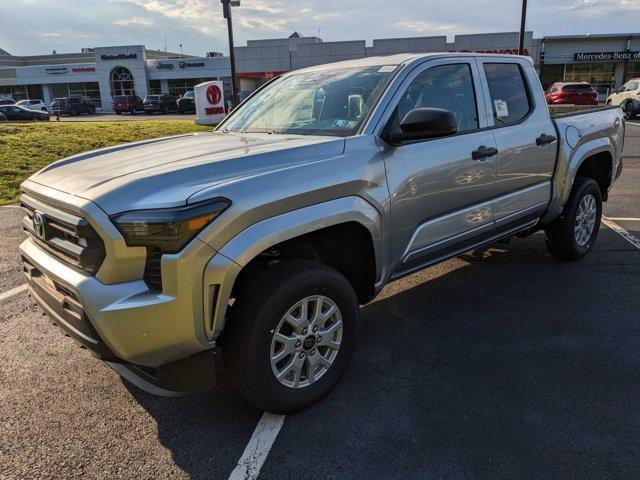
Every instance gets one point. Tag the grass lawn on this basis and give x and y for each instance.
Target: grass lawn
(27, 147)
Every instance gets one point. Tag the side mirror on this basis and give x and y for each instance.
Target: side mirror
(423, 123)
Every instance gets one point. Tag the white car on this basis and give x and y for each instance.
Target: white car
(627, 97)
(33, 104)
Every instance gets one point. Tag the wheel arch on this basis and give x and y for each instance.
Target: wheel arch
(351, 226)
(594, 158)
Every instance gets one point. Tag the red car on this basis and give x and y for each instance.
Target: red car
(127, 103)
(571, 93)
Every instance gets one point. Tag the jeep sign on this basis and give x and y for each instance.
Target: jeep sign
(209, 99)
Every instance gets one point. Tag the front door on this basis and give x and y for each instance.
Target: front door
(440, 193)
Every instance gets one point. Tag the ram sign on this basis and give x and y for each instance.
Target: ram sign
(209, 99)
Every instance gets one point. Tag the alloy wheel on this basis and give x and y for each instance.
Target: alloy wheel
(306, 341)
(585, 220)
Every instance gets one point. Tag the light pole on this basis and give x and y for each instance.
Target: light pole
(523, 21)
(226, 10)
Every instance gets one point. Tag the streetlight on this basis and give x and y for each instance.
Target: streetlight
(523, 20)
(226, 11)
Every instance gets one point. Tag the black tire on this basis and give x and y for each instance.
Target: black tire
(165, 110)
(118, 112)
(561, 238)
(628, 110)
(92, 110)
(246, 343)
(73, 112)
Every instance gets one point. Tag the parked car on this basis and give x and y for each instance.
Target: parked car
(72, 106)
(256, 244)
(164, 103)
(571, 93)
(33, 104)
(187, 103)
(17, 113)
(127, 103)
(627, 97)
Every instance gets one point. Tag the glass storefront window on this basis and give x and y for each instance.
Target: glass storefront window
(19, 92)
(154, 87)
(599, 75)
(589, 72)
(178, 88)
(633, 70)
(90, 90)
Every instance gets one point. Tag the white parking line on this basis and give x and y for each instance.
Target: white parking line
(10, 206)
(12, 293)
(258, 447)
(629, 237)
(624, 219)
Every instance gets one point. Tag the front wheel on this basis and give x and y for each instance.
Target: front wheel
(292, 335)
(573, 235)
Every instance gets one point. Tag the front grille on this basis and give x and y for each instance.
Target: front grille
(66, 236)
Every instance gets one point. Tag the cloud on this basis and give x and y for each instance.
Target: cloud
(433, 28)
(69, 25)
(135, 21)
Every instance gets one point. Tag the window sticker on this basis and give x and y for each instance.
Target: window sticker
(501, 108)
(387, 68)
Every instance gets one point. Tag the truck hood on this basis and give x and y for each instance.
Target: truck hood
(165, 172)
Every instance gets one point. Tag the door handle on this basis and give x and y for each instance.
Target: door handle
(545, 139)
(483, 152)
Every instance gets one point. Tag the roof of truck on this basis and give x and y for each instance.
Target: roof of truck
(403, 58)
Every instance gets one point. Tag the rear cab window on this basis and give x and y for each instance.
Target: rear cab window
(510, 96)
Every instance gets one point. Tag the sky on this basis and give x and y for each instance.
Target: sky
(40, 26)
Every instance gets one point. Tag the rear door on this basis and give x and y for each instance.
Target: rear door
(440, 193)
(525, 138)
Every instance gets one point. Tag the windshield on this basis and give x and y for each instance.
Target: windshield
(322, 102)
(23, 102)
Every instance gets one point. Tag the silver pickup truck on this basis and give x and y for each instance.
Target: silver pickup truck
(248, 250)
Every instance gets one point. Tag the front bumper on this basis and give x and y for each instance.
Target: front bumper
(62, 301)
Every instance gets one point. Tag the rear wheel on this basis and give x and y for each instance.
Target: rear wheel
(292, 335)
(628, 110)
(573, 235)
(73, 112)
(92, 110)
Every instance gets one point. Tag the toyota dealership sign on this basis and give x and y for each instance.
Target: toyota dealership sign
(209, 98)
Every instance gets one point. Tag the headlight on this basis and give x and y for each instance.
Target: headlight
(168, 229)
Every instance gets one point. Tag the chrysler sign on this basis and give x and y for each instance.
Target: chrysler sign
(605, 56)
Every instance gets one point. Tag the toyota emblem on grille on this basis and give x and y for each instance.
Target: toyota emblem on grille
(39, 225)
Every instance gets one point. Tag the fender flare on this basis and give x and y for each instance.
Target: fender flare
(222, 270)
(567, 170)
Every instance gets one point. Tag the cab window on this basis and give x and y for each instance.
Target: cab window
(509, 94)
(449, 87)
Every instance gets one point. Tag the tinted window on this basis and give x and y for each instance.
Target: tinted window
(509, 95)
(578, 87)
(449, 87)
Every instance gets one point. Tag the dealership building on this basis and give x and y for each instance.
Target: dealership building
(605, 60)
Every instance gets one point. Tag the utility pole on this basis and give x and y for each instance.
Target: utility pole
(523, 21)
(226, 10)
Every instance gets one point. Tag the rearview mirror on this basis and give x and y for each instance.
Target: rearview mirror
(423, 123)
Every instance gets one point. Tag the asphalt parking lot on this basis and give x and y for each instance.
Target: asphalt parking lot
(499, 364)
